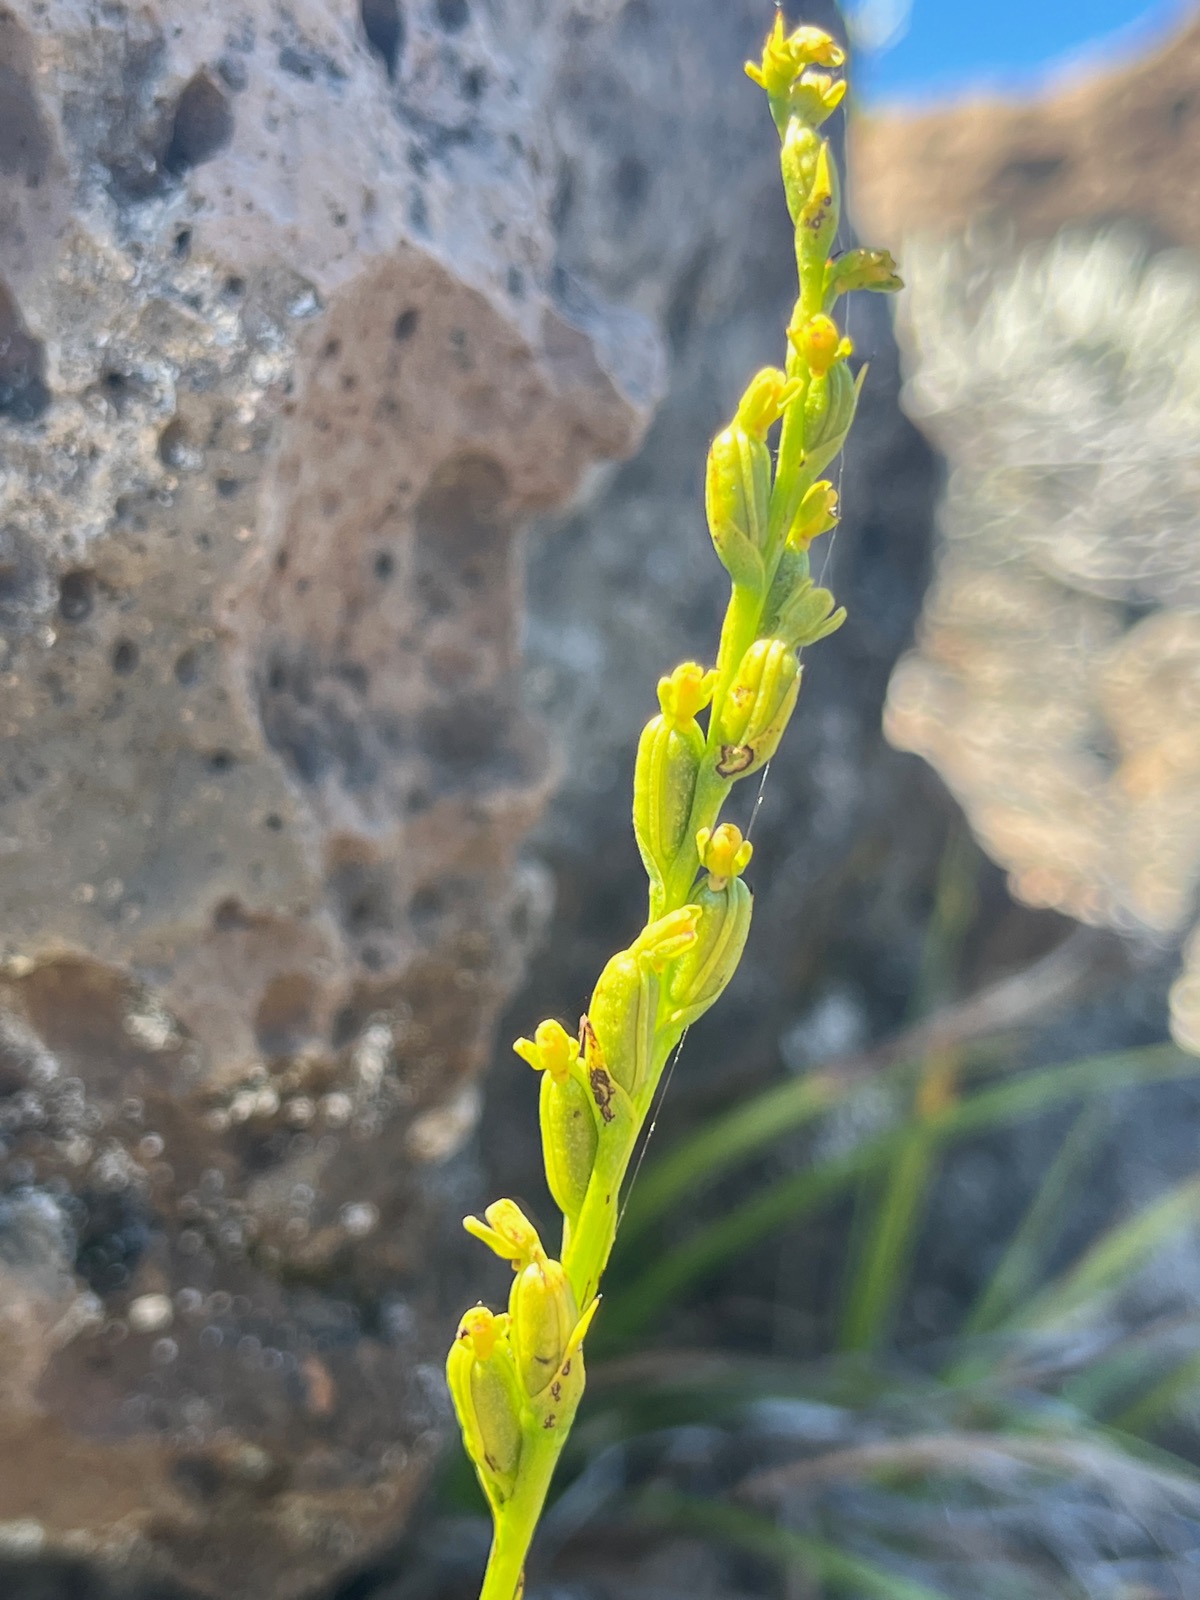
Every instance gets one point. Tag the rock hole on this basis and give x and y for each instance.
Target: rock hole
(1029, 171)
(76, 595)
(405, 325)
(385, 565)
(462, 532)
(232, 73)
(203, 124)
(221, 761)
(125, 657)
(473, 84)
(182, 246)
(383, 25)
(23, 392)
(284, 1018)
(187, 668)
(172, 445)
(230, 916)
(453, 14)
(273, 821)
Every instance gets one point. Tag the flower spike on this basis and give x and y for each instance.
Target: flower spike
(517, 1379)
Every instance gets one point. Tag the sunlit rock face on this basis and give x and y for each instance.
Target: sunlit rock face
(1057, 682)
(283, 372)
(1051, 246)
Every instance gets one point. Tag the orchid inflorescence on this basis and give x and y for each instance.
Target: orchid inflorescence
(516, 1378)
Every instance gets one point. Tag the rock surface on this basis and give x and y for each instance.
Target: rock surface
(1051, 350)
(284, 370)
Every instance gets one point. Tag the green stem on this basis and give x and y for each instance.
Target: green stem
(593, 1234)
(515, 1527)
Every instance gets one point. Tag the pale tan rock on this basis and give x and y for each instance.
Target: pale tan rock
(1051, 351)
(282, 376)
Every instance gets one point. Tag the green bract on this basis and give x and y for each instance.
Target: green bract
(516, 1379)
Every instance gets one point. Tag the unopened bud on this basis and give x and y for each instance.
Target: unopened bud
(798, 163)
(819, 216)
(623, 1013)
(725, 908)
(544, 1315)
(668, 761)
(566, 1113)
(737, 493)
(806, 616)
(756, 709)
(818, 513)
(481, 1375)
(829, 410)
(815, 98)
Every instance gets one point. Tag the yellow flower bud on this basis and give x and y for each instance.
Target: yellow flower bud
(507, 1231)
(760, 408)
(819, 344)
(757, 707)
(623, 1014)
(861, 269)
(815, 98)
(552, 1050)
(566, 1112)
(668, 761)
(817, 515)
(785, 58)
(724, 854)
(685, 693)
(482, 1379)
(725, 904)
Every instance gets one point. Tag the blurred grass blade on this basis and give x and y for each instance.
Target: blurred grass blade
(882, 1248)
(874, 1281)
(1039, 1228)
(823, 1562)
(1115, 1257)
(666, 1276)
(727, 1139)
(1178, 1388)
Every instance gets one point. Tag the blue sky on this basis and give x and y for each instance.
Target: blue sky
(943, 48)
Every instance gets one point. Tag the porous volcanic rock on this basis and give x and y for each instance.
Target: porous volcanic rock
(284, 370)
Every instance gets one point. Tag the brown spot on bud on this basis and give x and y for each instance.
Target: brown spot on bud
(602, 1092)
(735, 758)
(550, 1421)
